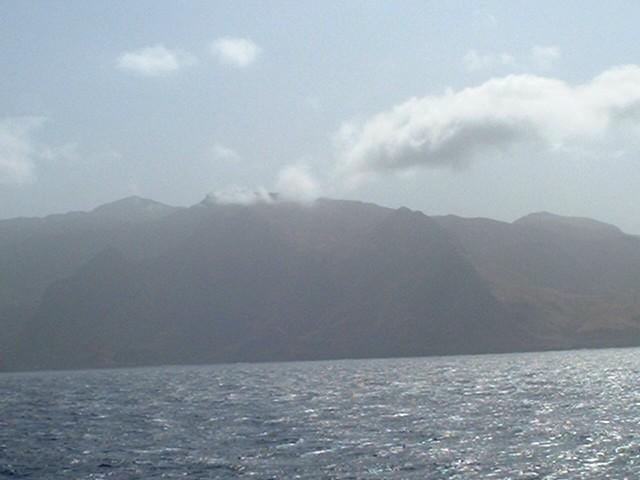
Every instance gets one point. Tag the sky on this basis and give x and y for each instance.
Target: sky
(481, 109)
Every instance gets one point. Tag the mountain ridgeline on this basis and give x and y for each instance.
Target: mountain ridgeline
(136, 282)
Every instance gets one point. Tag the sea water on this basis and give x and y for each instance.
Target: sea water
(564, 415)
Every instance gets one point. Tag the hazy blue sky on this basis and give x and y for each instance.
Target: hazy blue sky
(492, 109)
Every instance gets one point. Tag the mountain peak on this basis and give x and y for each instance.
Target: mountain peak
(133, 208)
(554, 221)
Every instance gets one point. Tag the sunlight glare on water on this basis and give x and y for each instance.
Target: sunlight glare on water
(522, 416)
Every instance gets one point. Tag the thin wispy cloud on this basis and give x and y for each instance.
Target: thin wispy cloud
(18, 149)
(485, 19)
(237, 52)
(538, 58)
(23, 155)
(224, 153)
(455, 128)
(155, 60)
(313, 103)
(545, 57)
(67, 153)
(474, 61)
(491, 19)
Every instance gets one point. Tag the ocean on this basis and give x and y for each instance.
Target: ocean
(554, 415)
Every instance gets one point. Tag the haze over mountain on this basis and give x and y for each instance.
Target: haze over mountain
(136, 282)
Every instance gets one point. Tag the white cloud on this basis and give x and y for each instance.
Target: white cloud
(517, 111)
(474, 61)
(222, 152)
(238, 52)
(154, 60)
(18, 150)
(296, 182)
(238, 195)
(544, 58)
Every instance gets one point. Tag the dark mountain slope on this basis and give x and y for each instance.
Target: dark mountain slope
(139, 283)
(276, 282)
(35, 252)
(579, 278)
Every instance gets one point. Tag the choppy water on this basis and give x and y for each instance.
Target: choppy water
(549, 415)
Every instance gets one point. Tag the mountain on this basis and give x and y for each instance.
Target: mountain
(132, 209)
(136, 282)
(36, 251)
(558, 223)
(579, 278)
